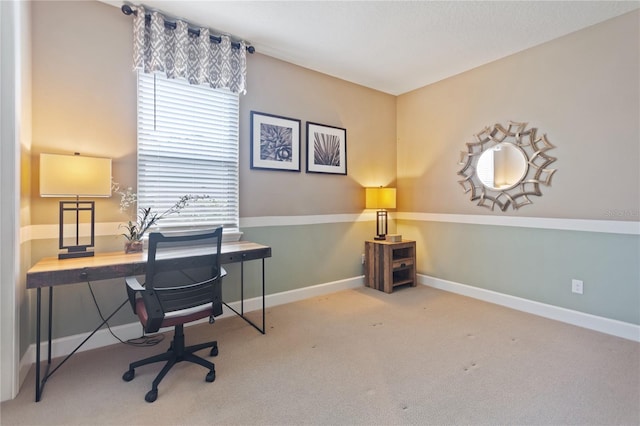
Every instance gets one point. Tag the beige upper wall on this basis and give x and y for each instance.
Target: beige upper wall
(582, 90)
(84, 99)
(279, 88)
(84, 93)
(83, 83)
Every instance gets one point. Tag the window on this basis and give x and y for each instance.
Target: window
(188, 144)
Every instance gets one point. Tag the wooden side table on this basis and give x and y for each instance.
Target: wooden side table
(388, 264)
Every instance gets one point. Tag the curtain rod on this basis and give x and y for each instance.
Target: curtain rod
(126, 9)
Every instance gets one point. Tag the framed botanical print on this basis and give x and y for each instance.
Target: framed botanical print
(275, 142)
(326, 149)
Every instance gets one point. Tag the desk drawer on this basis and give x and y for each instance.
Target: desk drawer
(402, 263)
(259, 253)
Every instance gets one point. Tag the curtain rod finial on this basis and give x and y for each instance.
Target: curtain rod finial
(126, 9)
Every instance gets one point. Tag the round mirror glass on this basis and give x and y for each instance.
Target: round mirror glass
(502, 166)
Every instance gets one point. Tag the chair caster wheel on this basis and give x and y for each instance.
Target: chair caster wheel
(211, 376)
(214, 351)
(151, 395)
(128, 375)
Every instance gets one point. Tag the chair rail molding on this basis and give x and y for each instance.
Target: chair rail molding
(584, 225)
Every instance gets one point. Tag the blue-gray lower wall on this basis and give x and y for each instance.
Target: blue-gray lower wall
(535, 263)
(303, 255)
(524, 263)
(532, 261)
(306, 255)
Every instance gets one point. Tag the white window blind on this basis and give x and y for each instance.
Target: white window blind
(188, 145)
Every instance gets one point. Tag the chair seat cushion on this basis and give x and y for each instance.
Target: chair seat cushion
(177, 317)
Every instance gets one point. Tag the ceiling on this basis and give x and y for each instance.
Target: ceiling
(392, 46)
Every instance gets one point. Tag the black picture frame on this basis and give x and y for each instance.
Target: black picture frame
(275, 142)
(326, 149)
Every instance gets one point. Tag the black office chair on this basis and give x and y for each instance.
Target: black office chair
(183, 283)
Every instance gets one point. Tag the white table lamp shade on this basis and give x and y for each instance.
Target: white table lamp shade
(74, 175)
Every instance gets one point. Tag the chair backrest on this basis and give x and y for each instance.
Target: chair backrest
(182, 273)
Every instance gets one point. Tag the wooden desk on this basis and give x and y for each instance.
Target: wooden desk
(51, 272)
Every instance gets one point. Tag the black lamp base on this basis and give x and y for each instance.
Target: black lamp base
(75, 208)
(74, 254)
(381, 225)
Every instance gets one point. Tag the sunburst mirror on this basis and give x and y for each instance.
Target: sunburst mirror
(505, 166)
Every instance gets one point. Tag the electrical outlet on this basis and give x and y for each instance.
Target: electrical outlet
(577, 286)
(363, 258)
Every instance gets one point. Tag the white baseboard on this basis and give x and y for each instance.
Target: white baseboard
(65, 345)
(604, 325)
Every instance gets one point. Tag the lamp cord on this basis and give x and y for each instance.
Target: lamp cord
(144, 340)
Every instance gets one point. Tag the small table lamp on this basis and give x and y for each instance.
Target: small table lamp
(75, 176)
(381, 199)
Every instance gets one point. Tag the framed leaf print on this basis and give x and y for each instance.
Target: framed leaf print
(275, 142)
(326, 149)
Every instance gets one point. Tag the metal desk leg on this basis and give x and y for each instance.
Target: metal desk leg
(263, 320)
(241, 313)
(40, 383)
(50, 326)
(38, 302)
(242, 287)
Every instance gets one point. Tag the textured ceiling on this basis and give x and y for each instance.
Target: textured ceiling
(393, 46)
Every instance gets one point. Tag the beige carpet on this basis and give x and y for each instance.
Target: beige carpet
(417, 356)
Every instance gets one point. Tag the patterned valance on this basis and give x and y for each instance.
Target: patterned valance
(180, 53)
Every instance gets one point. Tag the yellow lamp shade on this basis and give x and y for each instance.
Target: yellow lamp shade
(380, 198)
(74, 175)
